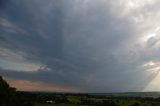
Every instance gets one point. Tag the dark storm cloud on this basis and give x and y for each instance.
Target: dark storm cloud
(79, 42)
(3, 3)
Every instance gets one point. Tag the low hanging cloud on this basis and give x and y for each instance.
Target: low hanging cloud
(91, 45)
(16, 61)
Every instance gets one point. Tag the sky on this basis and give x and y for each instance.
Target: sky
(80, 45)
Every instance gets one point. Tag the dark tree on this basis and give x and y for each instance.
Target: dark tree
(7, 93)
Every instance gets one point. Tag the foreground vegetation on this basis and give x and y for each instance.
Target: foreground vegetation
(87, 100)
(10, 97)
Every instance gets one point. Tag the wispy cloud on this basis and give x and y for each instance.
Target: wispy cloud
(16, 61)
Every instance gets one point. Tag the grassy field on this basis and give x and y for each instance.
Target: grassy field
(103, 101)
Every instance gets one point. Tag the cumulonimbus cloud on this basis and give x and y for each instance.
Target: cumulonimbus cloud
(97, 46)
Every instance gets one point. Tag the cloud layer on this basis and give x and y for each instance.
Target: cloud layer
(91, 45)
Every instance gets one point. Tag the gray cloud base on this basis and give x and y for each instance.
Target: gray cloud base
(81, 42)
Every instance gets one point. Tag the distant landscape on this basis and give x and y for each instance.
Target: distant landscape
(10, 97)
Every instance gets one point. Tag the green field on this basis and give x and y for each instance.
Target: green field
(106, 101)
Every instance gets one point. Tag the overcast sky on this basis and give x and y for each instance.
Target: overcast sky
(80, 45)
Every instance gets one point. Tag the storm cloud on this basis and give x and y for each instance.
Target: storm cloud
(91, 45)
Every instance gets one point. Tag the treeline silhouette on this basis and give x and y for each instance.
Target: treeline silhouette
(10, 97)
